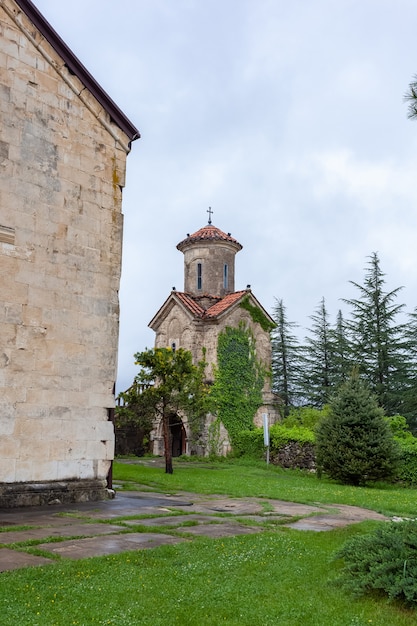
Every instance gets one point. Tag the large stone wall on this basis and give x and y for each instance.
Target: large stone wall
(62, 169)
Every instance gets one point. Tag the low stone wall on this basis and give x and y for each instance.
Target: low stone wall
(51, 492)
(295, 455)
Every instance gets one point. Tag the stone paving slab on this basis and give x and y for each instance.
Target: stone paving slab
(111, 544)
(176, 520)
(104, 539)
(345, 515)
(70, 530)
(11, 559)
(218, 531)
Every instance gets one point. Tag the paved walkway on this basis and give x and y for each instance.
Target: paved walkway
(138, 520)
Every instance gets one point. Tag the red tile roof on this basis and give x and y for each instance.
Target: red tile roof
(190, 303)
(216, 309)
(209, 233)
(224, 304)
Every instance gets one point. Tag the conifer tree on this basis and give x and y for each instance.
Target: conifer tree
(377, 340)
(342, 360)
(411, 98)
(286, 359)
(319, 363)
(354, 444)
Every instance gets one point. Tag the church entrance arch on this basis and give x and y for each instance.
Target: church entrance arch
(178, 435)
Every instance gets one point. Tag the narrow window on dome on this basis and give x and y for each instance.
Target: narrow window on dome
(226, 276)
(199, 276)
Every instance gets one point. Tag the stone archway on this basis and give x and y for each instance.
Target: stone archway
(178, 436)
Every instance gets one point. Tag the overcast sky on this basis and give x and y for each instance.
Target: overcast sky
(286, 117)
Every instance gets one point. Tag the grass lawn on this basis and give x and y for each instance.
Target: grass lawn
(275, 578)
(245, 478)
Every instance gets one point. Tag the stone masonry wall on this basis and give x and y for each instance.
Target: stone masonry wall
(62, 168)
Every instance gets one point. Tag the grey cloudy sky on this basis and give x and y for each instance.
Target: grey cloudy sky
(286, 117)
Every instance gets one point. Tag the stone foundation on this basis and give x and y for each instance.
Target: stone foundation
(51, 492)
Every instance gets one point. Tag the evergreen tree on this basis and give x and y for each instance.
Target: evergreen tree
(411, 98)
(286, 359)
(354, 444)
(377, 341)
(319, 359)
(409, 393)
(342, 360)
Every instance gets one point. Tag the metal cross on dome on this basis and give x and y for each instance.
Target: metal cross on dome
(210, 212)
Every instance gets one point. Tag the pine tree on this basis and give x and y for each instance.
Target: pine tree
(409, 391)
(342, 360)
(411, 98)
(354, 444)
(286, 359)
(319, 359)
(377, 341)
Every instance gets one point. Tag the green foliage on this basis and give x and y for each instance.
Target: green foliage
(399, 427)
(354, 443)
(239, 378)
(306, 416)
(282, 435)
(384, 561)
(319, 362)
(214, 442)
(377, 341)
(134, 415)
(286, 360)
(257, 315)
(407, 471)
(171, 384)
(251, 442)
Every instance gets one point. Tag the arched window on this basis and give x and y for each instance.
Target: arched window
(199, 276)
(226, 276)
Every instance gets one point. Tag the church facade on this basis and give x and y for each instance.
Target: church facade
(63, 149)
(194, 318)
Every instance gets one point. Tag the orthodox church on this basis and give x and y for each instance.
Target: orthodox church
(194, 318)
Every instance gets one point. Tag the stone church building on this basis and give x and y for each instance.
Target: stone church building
(63, 149)
(194, 318)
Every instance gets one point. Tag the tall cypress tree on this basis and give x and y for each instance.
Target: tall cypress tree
(377, 341)
(286, 359)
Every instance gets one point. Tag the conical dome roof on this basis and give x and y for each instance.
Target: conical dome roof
(208, 233)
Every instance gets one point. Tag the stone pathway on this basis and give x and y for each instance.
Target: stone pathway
(140, 520)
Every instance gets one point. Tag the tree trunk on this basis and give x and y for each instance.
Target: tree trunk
(167, 445)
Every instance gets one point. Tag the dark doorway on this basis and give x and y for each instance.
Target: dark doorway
(178, 435)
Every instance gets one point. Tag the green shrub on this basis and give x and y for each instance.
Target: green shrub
(249, 443)
(354, 444)
(306, 416)
(384, 561)
(407, 470)
(281, 435)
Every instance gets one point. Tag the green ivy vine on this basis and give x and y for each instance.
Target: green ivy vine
(239, 378)
(257, 315)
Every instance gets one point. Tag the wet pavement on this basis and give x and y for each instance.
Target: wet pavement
(141, 520)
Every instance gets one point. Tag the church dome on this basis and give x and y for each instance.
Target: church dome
(207, 234)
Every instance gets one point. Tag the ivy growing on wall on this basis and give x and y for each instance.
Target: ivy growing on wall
(239, 378)
(257, 315)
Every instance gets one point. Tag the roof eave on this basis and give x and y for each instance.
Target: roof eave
(76, 67)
